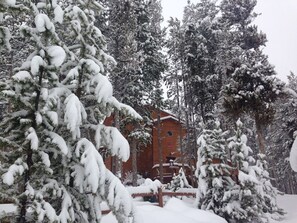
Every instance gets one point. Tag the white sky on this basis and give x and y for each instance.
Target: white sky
(278, 20)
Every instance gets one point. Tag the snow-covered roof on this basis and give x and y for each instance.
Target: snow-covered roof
(169, 164)
(167, 117)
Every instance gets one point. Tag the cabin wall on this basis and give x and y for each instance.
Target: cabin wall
(149, 156)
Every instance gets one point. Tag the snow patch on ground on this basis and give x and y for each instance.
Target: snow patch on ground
(177, 211)
(289, 203)
(7, 209)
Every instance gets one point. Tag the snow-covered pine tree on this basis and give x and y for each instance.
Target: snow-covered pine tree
(178, 90)
(59, 97)
(178, 181)
(253, 198)
(135, 38)
(121, 29)
(213, 171)
(281, 135)
(267, 191)
(243, 203)
(174, 76)
(25, 139)
(251, 86)
(202, 33)
(12, 46)
(148, 39)
(193, 78)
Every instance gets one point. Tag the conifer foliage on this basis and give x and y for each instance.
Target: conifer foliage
(243, 198)
(251, 86)
(59, 96)
(281, 137)
(213, 172)
(238, 189)
(179, 181)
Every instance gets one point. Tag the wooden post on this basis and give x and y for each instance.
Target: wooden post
(160, 197)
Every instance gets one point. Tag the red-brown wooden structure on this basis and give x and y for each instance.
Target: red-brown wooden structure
(148, 159)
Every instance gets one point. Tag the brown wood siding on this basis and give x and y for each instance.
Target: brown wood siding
(148, 156)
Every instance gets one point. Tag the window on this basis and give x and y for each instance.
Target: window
(169, 133)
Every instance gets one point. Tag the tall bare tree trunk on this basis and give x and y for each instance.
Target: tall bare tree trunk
(160, 150)
(134, 162)
(260, 134)
(118, 166)
(180, 130)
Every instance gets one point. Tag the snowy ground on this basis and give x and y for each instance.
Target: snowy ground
(177, 211)
(289, 204)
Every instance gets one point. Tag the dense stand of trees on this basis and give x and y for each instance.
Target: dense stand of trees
(217, 69)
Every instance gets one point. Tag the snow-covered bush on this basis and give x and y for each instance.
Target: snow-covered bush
(127, 181)
(178, 181)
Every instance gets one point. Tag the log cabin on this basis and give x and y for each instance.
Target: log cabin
(169, 129)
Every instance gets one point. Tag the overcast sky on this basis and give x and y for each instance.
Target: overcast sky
(278, 20)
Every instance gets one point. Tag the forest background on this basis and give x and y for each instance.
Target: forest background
(211, 61)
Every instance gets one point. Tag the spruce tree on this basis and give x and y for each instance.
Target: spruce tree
(179, 181)
(135, 39)
(243, 200)
(267, 191)
(202, 37)
(251, 86)
(59, 97)
(213, 170)
(252, 198)
(281, 138)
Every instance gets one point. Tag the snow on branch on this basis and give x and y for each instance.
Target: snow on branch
(45, 209)
(45, 158)
(54, 95)
(36, 63)
(57, 55)
(67, 213)
(43, 23)
(103, 90)
(125, 109)
(290, 91)
(148, 186)
(94, 168)
(5, 37)
(7, 3)
(74, 114)
(293, 155)
(111, 138)
(33, 138)
(17, 168)
(59, 141)
(53, 117)
(118, 198)
(59, 14)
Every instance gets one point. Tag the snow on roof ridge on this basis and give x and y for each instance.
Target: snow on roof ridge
(166, 117)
